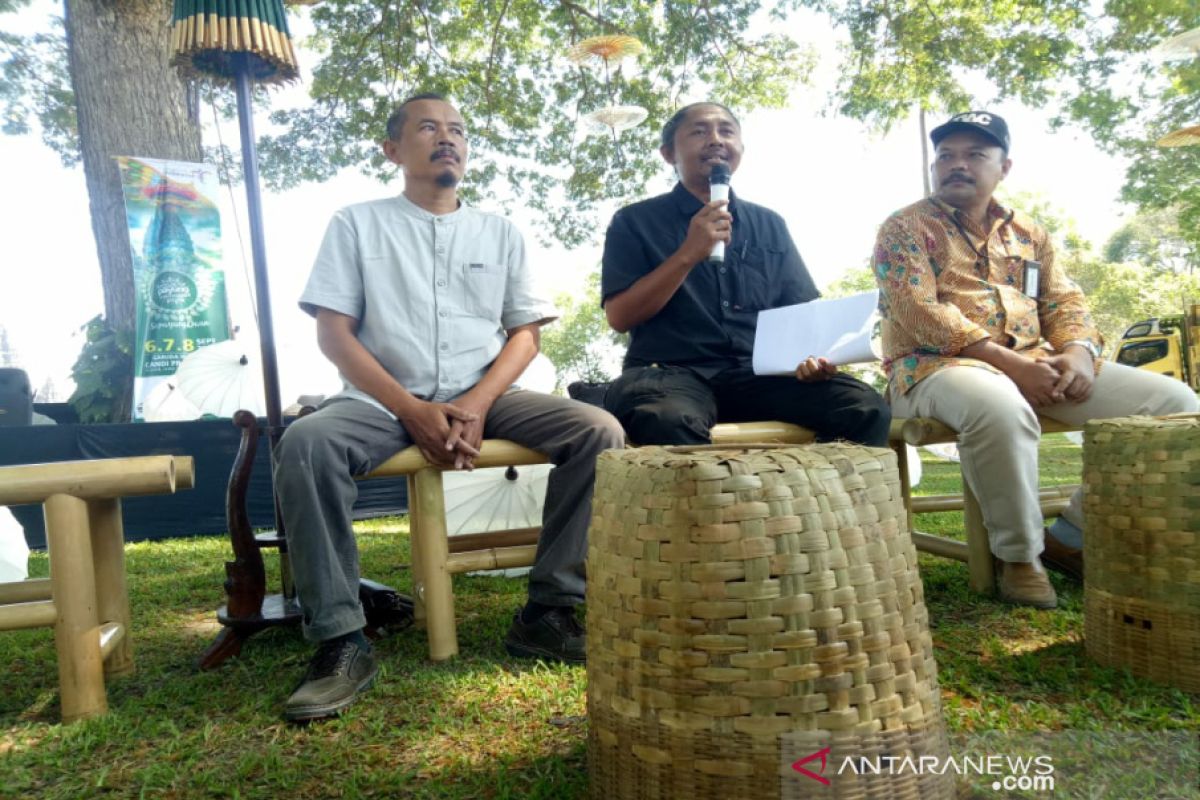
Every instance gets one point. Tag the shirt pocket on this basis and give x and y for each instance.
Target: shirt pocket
(483, 289)
(756, 274)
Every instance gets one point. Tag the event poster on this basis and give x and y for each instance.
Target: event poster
(175, 238)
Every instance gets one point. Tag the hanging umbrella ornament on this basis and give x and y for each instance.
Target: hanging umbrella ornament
(1185, 45)
(605, 49)
(615, 118)
(1181, 138)
(222, 379)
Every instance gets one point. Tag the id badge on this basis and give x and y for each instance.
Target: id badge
(1033, 272)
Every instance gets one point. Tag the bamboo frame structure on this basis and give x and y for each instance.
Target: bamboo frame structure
(86, 599)
(436, 556)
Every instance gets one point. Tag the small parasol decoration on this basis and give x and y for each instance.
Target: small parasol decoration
(1184, 45)
(615, 118)
(613, 47)
(1181, 137)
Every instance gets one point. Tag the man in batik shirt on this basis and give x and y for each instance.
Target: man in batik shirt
(983, 331)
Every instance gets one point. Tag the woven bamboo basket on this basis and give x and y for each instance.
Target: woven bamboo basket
(747, 608)
(1142, 548)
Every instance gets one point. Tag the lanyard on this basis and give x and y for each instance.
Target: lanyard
(980, 255)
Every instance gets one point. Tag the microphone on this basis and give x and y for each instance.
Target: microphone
(718, 189)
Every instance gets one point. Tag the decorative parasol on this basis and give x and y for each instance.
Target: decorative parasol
(14, 552)
(209, 38)
(166, 403)
(239, 42)
(605, 49)
(222, 379)
(615, 118)
(1181, 137)
(1185, 45)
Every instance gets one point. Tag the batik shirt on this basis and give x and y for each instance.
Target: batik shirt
(944, 286)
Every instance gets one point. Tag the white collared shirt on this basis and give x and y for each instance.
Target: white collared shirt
(433, 295)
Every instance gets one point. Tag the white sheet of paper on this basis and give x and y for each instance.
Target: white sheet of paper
(838, 329)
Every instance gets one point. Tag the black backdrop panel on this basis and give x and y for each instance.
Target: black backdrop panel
(212, 443)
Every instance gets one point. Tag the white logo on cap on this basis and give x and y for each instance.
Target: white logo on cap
(975, 118)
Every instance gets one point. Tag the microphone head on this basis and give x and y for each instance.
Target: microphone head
(719, 174)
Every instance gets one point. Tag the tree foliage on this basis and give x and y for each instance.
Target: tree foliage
(503, 62)
(580, 343)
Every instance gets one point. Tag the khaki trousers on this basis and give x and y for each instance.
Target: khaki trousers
(999, 434)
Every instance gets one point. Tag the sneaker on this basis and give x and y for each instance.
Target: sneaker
(556, 636)
(1062, 558)
(1026, 585)
(337, 673)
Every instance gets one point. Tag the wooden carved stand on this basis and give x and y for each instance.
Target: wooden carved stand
(249, 609)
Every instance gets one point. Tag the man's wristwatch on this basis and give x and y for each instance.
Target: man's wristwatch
(1086, 344)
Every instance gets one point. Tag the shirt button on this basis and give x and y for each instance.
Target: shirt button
(440, 249)
(444, 346)
(725, 304)
(441, 282)
(443, 313)
(722, 270)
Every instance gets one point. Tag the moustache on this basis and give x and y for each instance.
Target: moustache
(445, 151)
(959, 179)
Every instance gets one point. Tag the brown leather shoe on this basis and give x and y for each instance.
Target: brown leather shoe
(1026, 585)
(1060, 558)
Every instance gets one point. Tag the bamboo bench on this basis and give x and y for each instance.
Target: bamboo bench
(436, 556)
(85, 599)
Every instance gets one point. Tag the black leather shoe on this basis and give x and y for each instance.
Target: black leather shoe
(1060, 558)
(337, 673)
(555, 636)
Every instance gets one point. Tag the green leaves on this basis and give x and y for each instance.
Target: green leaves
(103, 372)
(503, 63)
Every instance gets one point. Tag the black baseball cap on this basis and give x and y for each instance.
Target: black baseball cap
(990, 125)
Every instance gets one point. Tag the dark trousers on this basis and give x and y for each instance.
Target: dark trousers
(673, 405)
(320, 454)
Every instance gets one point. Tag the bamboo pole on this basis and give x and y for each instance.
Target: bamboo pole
(981, 569)
(38, 614)
(102, 478)
(515, 537)
(494, 453)
(491, 558)
(940, 546)
(433, 585)
(112, 595)
(414, 520)
(77, 631)
(25, 591)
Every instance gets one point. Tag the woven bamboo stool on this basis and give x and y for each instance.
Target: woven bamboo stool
(747, 608)
(1142, 548)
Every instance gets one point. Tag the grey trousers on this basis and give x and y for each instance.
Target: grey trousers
(320, 454)
(998, 436)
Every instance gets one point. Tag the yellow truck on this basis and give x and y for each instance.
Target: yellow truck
(1166, 345)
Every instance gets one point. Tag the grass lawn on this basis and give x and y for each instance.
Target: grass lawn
(484, 725)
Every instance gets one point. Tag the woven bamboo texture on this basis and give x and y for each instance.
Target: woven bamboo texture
(746, 608)
(1142, 551)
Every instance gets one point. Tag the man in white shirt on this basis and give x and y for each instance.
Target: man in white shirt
(428, 310)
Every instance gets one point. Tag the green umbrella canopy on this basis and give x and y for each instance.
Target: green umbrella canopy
(207, 34)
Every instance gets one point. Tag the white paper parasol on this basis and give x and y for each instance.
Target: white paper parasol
(14, 552)
(1185, 45)
(222, 379)
(495, 499)
(166, 403)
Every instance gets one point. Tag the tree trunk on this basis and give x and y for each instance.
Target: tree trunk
(129, 102)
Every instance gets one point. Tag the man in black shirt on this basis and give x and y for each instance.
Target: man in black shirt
(691, 321)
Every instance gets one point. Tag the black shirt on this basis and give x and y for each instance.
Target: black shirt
(708, 325)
